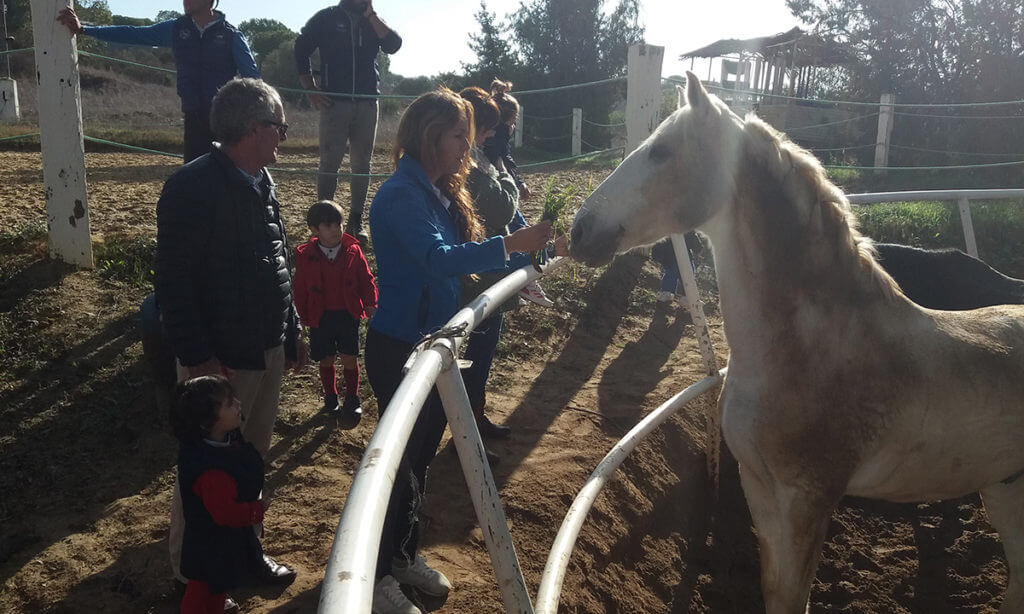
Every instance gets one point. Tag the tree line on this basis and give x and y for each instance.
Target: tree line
(925, 51)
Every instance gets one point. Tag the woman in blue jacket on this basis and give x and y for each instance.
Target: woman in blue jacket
(426, 236)
(208, 52)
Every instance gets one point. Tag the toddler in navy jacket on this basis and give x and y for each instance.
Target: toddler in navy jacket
(221, 480)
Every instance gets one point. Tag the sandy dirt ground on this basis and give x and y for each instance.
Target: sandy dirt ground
(86, 463)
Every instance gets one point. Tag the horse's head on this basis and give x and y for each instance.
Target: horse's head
(677, 180)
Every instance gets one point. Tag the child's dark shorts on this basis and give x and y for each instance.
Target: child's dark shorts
(338, 333)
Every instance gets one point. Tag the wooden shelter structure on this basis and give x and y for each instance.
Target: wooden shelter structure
(769, 74)
(780, 64)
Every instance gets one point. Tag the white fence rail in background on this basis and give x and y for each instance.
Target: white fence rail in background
(963, 198)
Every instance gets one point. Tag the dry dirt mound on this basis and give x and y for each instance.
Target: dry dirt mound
(86, 464)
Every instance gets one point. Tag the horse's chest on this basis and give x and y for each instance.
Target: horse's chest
(778, 427)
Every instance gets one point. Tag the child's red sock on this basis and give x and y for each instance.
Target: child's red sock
(351, 381)
(199, 600)
(329, 378)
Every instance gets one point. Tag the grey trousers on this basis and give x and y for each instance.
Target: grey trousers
(260, 394)
(347, 126)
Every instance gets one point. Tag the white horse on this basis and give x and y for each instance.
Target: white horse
(837, 383)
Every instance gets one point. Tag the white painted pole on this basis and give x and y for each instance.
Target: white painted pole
(713, 420)
(60, 127)
(577, 131)
(518, 135)
(968, 224)
(885, 121)
(483, 491)
(10, 112)
(643, 93)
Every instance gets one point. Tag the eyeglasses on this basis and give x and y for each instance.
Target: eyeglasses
(281, 127)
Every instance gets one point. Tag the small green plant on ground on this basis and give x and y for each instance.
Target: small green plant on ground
(127, 258)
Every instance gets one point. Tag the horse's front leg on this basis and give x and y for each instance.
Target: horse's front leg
(1004, 504)
(791, 523)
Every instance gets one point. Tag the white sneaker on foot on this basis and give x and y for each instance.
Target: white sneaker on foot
(388, 598)
(533, 292)
(419, 575)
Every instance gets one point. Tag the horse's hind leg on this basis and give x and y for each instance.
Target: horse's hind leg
(1004, 504)
(791, 526)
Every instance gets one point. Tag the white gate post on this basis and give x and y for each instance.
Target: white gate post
(10, 112)
(643, 93)
(518, 136)
(968, 224)
(885, 119)
(60, 127)
(577, 131)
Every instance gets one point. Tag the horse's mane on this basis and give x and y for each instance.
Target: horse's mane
(802, 178)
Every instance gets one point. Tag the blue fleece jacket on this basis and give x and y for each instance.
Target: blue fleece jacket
(419, 256)
(205, 60)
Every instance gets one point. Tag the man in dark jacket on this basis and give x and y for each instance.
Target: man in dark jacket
(349, 37)
(208, 52)
(222, 275)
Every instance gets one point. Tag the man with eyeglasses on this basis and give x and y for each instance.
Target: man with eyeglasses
(222, 275)
(349, 37)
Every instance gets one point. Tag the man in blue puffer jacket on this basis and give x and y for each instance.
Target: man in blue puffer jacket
(349, 36)
(208, 52)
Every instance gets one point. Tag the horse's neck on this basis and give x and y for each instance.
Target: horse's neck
(779, 273)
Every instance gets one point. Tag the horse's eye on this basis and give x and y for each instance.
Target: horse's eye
(659, 153)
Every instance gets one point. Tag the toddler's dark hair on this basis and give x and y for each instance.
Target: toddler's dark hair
(507, 103)
(323, 212)
(196, 402)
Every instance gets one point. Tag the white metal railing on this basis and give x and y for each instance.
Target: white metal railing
(350, 575)
(963, 198)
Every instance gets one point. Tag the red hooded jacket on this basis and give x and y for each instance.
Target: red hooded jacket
(321, 284)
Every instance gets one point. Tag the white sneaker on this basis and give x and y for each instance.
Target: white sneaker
(419, 575)
(533, 292)
(665, 297)
(388, 598)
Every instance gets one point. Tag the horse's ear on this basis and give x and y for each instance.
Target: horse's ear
(696, 95)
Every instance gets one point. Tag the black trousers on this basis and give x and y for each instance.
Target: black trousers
(198, 134)
(385, 356)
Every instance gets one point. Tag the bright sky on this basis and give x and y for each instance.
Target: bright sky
(436, 39)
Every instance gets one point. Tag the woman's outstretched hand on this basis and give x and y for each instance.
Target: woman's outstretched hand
(529, 239)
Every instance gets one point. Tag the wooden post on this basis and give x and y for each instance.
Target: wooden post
(643, 93)
(885, 119)
(577, 131)
(60, 127)
(518, 133)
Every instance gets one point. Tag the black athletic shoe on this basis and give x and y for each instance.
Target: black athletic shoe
(350, 413)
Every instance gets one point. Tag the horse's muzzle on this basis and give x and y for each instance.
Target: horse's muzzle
(594, 246)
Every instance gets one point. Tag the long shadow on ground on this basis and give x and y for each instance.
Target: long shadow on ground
(641, 364)
(607, 302)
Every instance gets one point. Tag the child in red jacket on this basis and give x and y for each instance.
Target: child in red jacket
(333, 291)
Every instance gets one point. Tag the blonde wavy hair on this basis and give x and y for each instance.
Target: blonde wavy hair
(419, 134)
